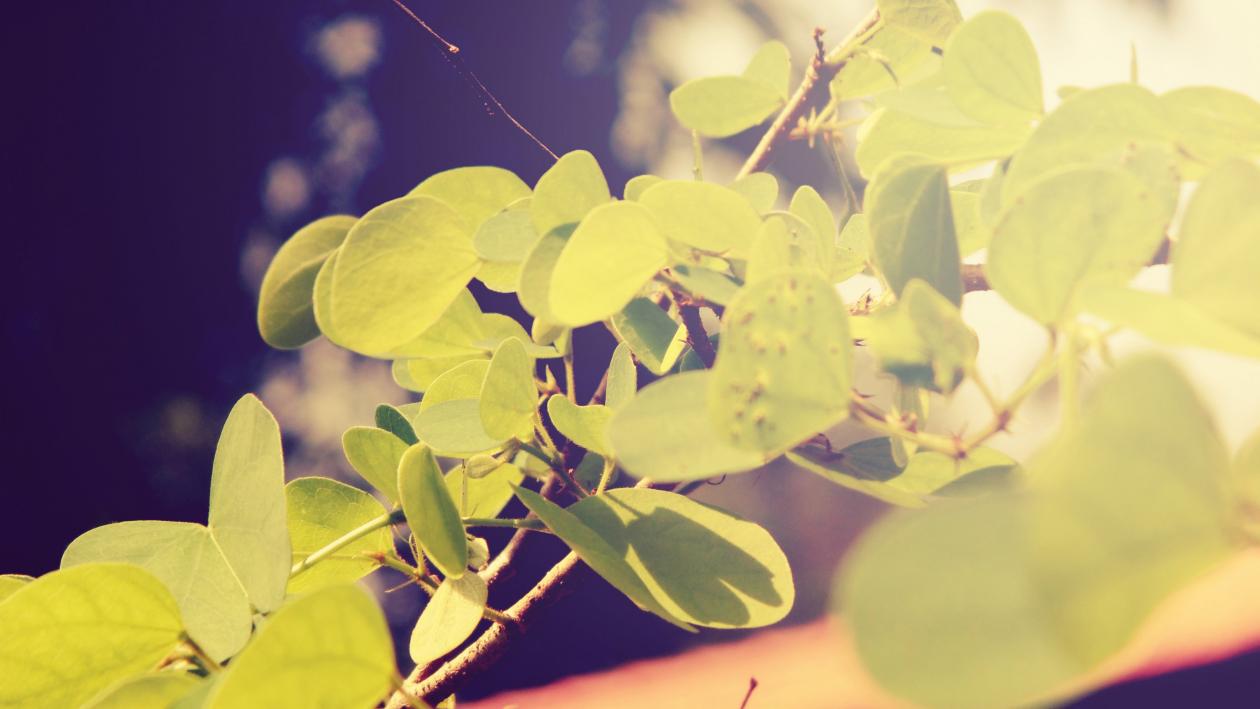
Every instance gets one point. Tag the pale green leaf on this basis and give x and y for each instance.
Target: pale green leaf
(567, 191)
(597, 553)
(186, 558)
(706, 283)
(450, 616)
(1245, 475)
(912, 229)
(784, 243)
(702, 564)
(508, 395)
(654, 337)
(500, 277)
(374, 454)
(321, 511)
(761, 189)
(475, 193)
(328, 648)
(783, 368)
(153, 691)
(507, 236)
(771, 66)
(488, 495)
(247, 515)
(721, 106)
(1075, 228)
(392, 419)
(923, 341)
(864, 74)
(9, 583)
(464, 381)
(584, 426)
(453, 428)
(422, 372)
(534, 289)
(1167, 319)
(810, 207)
(74, 632)
(497, 328)
(1214, 124)
(706, 216)
(611, 255)
(930, 20)
(853, 249)
(889, 133)
(399, 269)
(431, 513)
(973, 234)
(623, 378)
(454, 334)
(286, 314)
(992, 71)
(635, 186)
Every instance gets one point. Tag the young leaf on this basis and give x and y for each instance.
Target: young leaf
(389, 418)
(464, 381)
(475, 193)
(507, 236)
(890, 133)
(1167, 319)
(992, 72)
(322, 510)
(499, 277)
(454, 333)
(567, 191)
(653, 336)
(782, 371)
(584, 426)
(637, 185)
(508, 395)
(608, 562)
(703, 565)
(1075, 228)
(772, 67)
(451, 615)
(761, 190)
(374, 454)
(611, 255)
(534, 289)
(813, 210)
(923, 341)
(286, 314)
(419, 374)
(187, 560)
(721, 106)
(867, 72)
(706, 283)
(9, 583)
(1213, 124)
(665, 433)
(431, 513)
(454, 428)
(74, 632)
(400, 267)
(706, 216)
(330, 647)
(786, 242)
(912, 229)
(623, 378)
(931, 20)
(972, 233)
(488, 495)
(163, 689)
(247, 516)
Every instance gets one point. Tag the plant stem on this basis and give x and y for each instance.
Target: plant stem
(697, 156)
(570, 382)
(535, 525)
(610, 466)
(393, 562)
(696, 335)
(1069, 380)
(346, 539)
(195, 650)
(540, 455)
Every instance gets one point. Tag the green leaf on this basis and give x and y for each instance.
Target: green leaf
(451, 615)
(487, 496)
(992, 71)
(1245, 474)
(761, 189)
(783, 369)
(863, 74)
(651, 333)
(970, 229)
(1075, 228)
(247, 516)
(584, 426)
(706, 283)
(813, 210)
(186, 558)
(890, 133)
(567, 191)
(702, 564)
(374, 454)
(321, 511)
(431, 512)
(923, 341)
(623, 378)
(454, 428)
(454, 333)
(1217, 255)
(1214, 124)
(706, 216)
(1086, 126)
(463, 381)
(784, 243)
(389, 418)
(636, 186)
(772, 67)
(153, 691)
(1023, 593)
(10, 583)
(400, 267)
(534, 289)
(329, 648)
(853, 249)
(1167, 319)
(74, 632)
(500, 277)
(509, 396)
(598, 554)
(930, 20)
(286, 314)
(912, 229)
(721, 106)
(475, 193)
(611, 255)
(507, 236)
(497, 328)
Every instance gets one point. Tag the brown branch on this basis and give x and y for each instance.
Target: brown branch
(819, 72)
(696, 334)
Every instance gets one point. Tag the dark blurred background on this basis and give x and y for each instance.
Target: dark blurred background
(154, 156)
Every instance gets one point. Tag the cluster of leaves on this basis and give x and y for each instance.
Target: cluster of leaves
(1026, 583)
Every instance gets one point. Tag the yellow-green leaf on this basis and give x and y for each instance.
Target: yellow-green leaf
(623, 378)
(992, 71)
(771, 66)
(584, 426)
(431, 513)
(704, 215)
(322, 510)
(654, 337)
(374, 454)
(476, 193)
(930, 20)
(450, 616)
(567, 191)
(508, 395)
(912, 229)
(161, 690)
(721, 106)
(286, 313)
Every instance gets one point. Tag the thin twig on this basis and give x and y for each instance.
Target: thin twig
(974, 278)
(696, 334)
